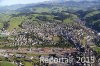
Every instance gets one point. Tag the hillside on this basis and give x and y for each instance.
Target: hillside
(71, 13)
(77, 8)
(93, 20)
(31, 33)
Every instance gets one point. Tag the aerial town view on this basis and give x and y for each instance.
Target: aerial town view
(50, 33)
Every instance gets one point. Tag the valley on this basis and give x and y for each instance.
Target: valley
(61, 29)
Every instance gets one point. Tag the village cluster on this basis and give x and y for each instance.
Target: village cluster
(49, 33)
(77, 35)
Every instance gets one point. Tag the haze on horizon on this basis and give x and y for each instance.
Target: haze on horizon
(14, 2)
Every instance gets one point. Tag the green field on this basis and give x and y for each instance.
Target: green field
(97, 49)
(28, 64)
(15, 22)
(6, 64)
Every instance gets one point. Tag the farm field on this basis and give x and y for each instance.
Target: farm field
(4, 63)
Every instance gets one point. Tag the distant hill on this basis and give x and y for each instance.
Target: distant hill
(93, 20)
(59, 4)
(53, 5)
(84, 9)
